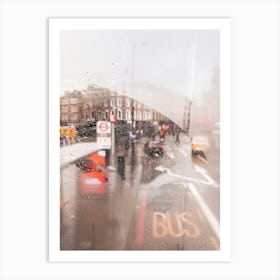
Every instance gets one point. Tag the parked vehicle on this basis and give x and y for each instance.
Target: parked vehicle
(154, 148)
(200, 145)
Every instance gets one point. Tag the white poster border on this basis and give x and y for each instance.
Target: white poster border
(56, 25)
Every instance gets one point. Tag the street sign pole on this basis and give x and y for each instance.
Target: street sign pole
(113, 138)
(113, 119)
(103, 130)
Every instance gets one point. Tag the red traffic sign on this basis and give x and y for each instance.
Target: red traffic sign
(113, 118)
(103, 127)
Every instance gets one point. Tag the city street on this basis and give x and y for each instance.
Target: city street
(168, 202)
(140, 141)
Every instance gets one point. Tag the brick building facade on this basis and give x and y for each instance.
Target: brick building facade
(97, 103)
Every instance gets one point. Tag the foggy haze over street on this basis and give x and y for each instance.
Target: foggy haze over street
(140, 140)
(169, 60)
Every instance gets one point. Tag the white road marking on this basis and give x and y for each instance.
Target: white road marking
(184, 153)
(203, 159)
(206, 210)
(167, 170)
(161, 168)
(204, 173)
(170, 154)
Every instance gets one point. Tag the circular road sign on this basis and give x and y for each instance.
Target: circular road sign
(103, 127)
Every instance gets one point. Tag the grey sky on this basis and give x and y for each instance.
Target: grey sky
(163, 60)
(168, 65)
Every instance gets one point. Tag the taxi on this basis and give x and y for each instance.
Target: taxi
(200, 145)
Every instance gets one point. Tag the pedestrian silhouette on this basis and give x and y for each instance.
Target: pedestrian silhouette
(177, 140)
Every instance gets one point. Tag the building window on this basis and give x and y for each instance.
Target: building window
(144, 115)
(119, 114)
(127, 114)
(119, 102)
(127, 102)
(139, 115)
(112, 112)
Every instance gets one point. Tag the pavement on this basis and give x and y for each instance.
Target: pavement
(72, 152)
(155, 203)
(102, 219)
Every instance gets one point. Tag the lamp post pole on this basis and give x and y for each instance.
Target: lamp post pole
(189, 118)
(113, 108)
(133, 88)
(134, 45)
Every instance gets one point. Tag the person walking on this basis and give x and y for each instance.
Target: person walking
(177, 140)
(161, 135)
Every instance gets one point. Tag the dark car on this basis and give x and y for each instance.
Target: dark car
(93, 162)
(86, 164)
(154, 148)
(134, 137)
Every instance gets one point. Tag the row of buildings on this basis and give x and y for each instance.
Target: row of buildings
(96, 103)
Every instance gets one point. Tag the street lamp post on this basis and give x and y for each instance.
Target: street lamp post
(134, 45)
(114, 110)
(132, 84)
(191, 91)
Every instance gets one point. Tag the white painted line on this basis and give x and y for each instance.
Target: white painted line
(204, 173)
(207, 212)
(167, 170)
(161, 168)
(170, 154)
(189, 178)
(184, 153)
(193, 189)
(203, 159)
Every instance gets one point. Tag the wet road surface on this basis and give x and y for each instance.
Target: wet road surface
(142, 203)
